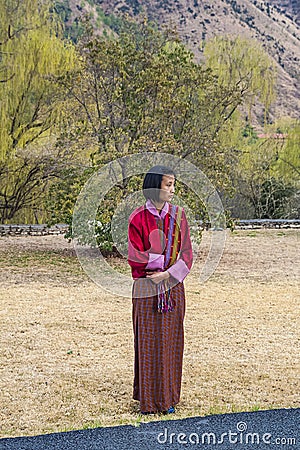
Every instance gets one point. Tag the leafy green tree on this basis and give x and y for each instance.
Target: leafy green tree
(32, 53)
(267, 176)
(142, 91)
(288, 149)
(274, 198)
(243, 64)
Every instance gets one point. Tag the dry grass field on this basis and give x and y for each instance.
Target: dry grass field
(66, 346)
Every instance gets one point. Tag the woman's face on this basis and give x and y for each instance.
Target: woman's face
(167, 188)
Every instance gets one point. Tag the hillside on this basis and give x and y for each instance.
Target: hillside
(291, 8)
(273, 23)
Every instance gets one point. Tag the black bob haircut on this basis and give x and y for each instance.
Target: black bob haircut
(152, 181)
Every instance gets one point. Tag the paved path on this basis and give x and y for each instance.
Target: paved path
(276, 429)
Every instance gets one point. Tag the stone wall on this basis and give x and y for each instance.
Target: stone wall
(32, 230)
(43, 230)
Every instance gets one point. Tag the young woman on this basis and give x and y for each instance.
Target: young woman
(160, 256)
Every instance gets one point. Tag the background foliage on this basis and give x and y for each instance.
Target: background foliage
(71, 102)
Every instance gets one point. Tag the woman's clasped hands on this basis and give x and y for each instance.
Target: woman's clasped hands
(157, 277)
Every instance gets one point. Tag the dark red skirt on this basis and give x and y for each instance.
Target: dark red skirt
(158, 347)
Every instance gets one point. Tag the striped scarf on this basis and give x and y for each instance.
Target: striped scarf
(165, 301)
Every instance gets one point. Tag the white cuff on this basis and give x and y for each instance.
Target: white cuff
(156, 261)
(179, 270)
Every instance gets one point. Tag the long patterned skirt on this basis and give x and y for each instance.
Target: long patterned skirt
(158, 346)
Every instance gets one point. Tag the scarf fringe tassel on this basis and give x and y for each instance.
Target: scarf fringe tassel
(165, 301)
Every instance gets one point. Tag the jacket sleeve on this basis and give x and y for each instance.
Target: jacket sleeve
(140, 259)
(181, 268)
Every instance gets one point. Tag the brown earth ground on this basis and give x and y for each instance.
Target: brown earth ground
(66, 345)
